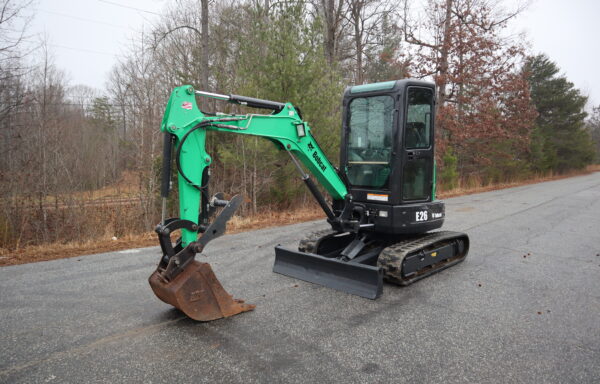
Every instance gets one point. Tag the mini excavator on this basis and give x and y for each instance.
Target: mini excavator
(381, 213)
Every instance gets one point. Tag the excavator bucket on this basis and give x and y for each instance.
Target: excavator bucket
(187, 284)
(197, 292)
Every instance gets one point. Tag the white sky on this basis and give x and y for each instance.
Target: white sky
(86, 37)
(567, 31)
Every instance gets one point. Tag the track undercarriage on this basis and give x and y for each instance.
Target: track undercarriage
(358, 263)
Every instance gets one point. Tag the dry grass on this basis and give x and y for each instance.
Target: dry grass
(35, 253)
(265, 219)
(127, 186)
(273, 219)
(469, 187)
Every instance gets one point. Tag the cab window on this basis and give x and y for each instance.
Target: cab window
(370, 139)
(418, 118)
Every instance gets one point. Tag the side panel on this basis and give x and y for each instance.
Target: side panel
(406, 218)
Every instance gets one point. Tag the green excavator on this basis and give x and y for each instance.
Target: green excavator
(382, 205)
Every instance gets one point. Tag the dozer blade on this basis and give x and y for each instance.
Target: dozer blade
(197, 293)
(346, 276)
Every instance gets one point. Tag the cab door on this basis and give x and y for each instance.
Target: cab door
(417, 148)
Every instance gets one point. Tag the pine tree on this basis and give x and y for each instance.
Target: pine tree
(560, 141)
(593, 127)
(281, 58)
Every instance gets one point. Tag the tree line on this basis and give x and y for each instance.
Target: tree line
(503, 113)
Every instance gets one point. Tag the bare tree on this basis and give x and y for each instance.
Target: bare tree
(365, 18)
(14, 21)
(335, 27)
(441, 24)
(204, 39)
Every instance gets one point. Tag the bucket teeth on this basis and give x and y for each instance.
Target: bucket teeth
(198, 293)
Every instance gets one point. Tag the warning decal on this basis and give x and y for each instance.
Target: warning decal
(377, 197)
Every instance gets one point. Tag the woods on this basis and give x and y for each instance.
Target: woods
(78, 163)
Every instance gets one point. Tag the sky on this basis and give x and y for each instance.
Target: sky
(567, 31)
(87, 37)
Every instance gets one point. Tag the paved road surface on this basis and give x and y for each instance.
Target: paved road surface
(497, 317)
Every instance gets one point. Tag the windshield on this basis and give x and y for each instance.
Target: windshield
(370, 141)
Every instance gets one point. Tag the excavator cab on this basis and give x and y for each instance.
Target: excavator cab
(387, 154)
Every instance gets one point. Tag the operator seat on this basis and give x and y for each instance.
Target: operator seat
(416, 135)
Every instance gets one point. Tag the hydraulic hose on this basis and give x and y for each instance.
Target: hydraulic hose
(178, 155)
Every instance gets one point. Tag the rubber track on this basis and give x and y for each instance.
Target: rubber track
(391, 257)
(310, 242)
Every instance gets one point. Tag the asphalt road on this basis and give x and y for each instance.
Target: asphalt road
(497, 317)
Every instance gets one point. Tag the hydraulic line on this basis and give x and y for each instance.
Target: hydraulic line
(178, 155)
(313, 189)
